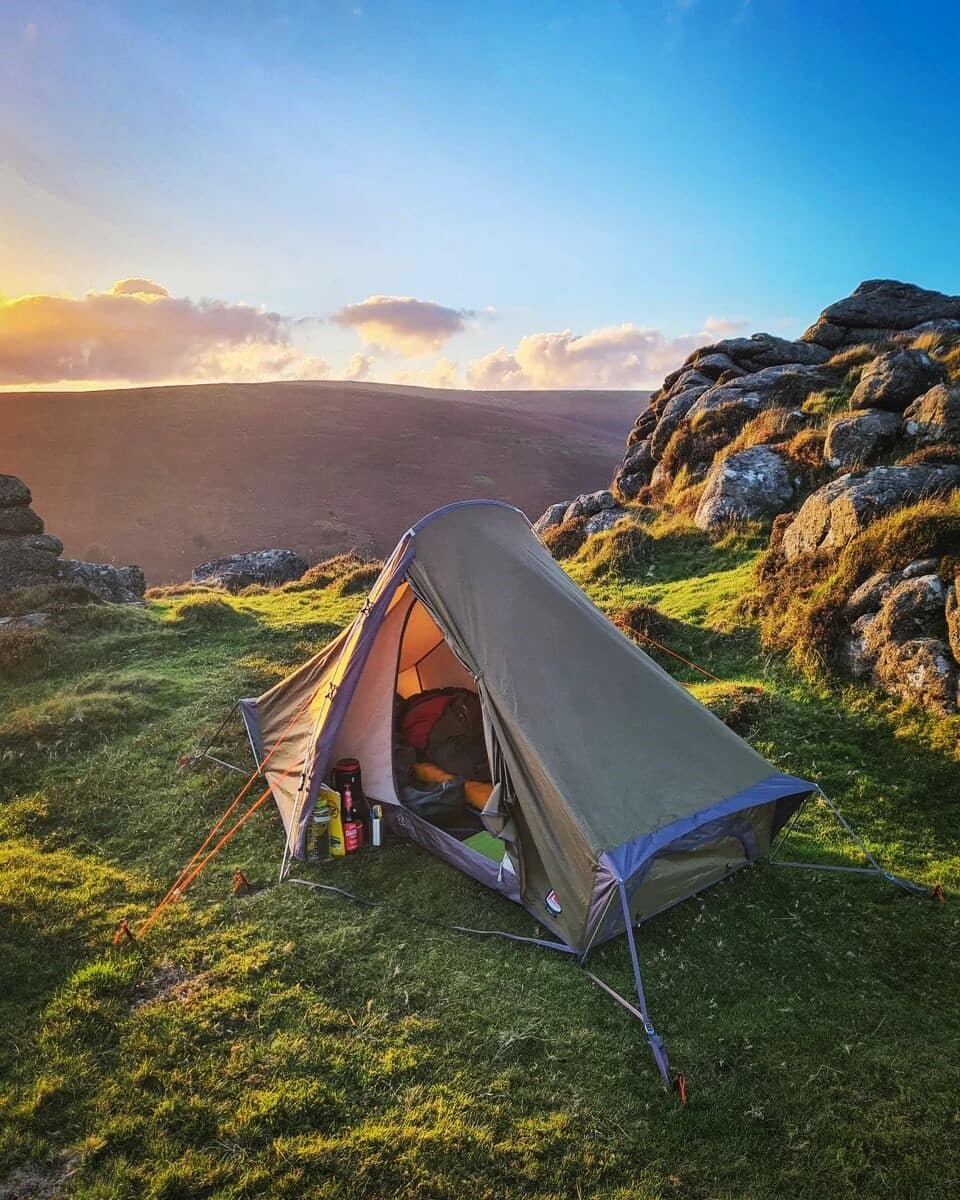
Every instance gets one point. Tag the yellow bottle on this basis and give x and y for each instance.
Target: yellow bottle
(332, 799)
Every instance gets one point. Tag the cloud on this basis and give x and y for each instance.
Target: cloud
(403, 323)
(359, 367)
(443, 374)
(136, 332)
(618, 356)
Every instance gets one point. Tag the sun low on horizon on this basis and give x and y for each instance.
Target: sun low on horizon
(558, 197)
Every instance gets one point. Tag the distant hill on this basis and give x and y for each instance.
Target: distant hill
(166, 477)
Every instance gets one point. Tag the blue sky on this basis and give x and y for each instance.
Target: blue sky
(535, 167)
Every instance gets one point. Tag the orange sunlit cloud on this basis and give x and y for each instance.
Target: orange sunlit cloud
(136, 332)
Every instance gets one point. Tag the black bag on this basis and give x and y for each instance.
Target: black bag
(444, 806)
(456, 740)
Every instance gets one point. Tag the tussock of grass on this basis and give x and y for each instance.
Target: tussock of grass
(209, 611)
(616, 551)
(322, 574)
(359, 580)
(25, 652)
(951, 360)
(48, 598)
(939, 452)
(565, 539)
(860, 355)
(169, 591)
(766, 428)
(742, 709)
(934, 343)
(64, 723)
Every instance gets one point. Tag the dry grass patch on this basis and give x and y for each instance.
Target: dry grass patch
(48, 598)
(26, 651)
(859, 355)
(322, 574)
(616, 551)
(564, 540)
(360, 579)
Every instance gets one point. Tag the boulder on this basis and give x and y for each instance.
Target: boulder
(935, 416)
(24, 565)
(868, 597)
(672, 415)
(766, 350)
(716, 364)
(752, 484)
(772, 387)
(606, 518)
(18, 521)
(233, 572)
(913, 608)
(894, 379)
(826, 334)
(643, 426)
(121, 585)
(41, 541)
(845, 506)
(635, 470)
(855, 656)
(551, 516)
(855, 441)
(920, 566)
(588, 503)
(890, 304)
(922, 670)
(13, 492)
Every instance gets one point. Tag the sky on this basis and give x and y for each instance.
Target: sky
(458, 194)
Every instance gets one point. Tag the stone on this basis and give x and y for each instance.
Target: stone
(934, 416)
(825, 333)
(28, 621)
(896, 378)
(13, 492)
(868, 597)
(890, 304)
(922, 670)
(752, 484)
(605, 519)
(121, 585)
(233, 572)
(672, 415)
(772, 387)
(20, 520)
(913, 608)
(920, 566)
(845, 506)
(855, 657)
(42, 541)
(635, 470)
(856, 441)
(766, 350)
(551, 516)
(716, 364)
(24, 566)
(952, 616)
(588, 503)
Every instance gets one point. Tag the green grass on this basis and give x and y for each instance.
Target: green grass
(288, 1044)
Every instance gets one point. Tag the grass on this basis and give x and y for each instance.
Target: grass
(288, 1044)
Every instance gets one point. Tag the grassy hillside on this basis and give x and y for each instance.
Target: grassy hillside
(287, 1044)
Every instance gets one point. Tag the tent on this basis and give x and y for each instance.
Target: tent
(616, 794)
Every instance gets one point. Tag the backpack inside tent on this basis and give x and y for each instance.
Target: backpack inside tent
(610, 792)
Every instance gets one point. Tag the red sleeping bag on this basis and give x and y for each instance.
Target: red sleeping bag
(421, 716)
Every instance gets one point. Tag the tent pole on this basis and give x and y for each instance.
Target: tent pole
(875, 868)
(656, 1044)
